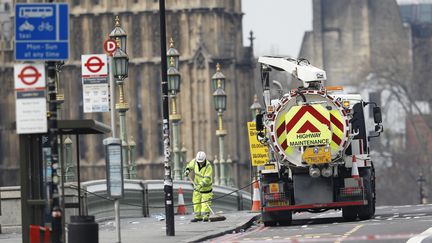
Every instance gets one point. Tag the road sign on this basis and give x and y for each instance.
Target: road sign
(259, 152)
(29, 76)
(94, 65)
(30, 98)
(42, 31)
(110, 46)
(95, 83)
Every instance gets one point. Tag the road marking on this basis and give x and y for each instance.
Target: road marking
(347, 234)
(418, 238)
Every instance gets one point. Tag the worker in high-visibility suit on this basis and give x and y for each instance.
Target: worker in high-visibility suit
(202, 186)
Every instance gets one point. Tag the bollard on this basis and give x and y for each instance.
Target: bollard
(83, 229)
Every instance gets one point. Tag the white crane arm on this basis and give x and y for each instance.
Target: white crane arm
(303, 71)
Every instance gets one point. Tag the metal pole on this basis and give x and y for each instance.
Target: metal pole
(216, 170)
(69, 171)
(132, 167)
(117, 219)
(78, 173)
(52, 133)
(223, 181)
(175, 118)
(123, 137)
(112, 96)
(229, 171)
(168, 184)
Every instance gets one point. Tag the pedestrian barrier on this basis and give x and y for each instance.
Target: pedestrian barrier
(256, 201)
(181, 208)
(142, 198)
(39, 234)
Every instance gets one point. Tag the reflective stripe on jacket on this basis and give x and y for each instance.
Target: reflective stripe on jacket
(203, 176)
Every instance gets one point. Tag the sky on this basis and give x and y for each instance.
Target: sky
(278, 25)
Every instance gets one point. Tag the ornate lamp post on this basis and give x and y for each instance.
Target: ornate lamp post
(255, 107)
(132, 167)
(220, 100)
(120, 62)
(174, 82)
(120, 70)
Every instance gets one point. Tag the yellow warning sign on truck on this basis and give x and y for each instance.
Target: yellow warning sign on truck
(308, 125)
(259, 152)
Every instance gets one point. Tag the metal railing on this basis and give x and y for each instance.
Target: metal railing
(143, 198)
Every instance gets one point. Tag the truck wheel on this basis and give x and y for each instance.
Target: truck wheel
(269, 223)
(287, 219)
(368, 211)
(349, 213)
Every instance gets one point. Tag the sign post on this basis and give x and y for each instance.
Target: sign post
(30, 98)
(110, 46)
(95, 83)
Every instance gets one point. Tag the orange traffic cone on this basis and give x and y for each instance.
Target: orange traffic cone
(181, 208)
(256, 201)
(354, 169)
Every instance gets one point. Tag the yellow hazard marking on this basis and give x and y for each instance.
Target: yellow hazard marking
(309, 130)
(336, 131)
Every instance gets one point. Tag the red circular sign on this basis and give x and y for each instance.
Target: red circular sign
(110, 46)
(29, 75)
(94, 64)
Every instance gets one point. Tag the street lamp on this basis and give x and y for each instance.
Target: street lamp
(174, 83)
(173, 53)
(120, 62)
(255, 107)
(218, 77)
(219, 98)
(220, 102)
(173, 78)
(119, 32)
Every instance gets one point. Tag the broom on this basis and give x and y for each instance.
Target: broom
(214, 217)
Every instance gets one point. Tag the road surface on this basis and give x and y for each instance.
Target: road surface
(391, 224)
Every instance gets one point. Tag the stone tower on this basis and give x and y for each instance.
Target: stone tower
(205, 32)
(352, 38)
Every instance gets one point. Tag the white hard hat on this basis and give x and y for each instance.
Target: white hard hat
(200, 157)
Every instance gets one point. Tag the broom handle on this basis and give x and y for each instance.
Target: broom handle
(211, 210)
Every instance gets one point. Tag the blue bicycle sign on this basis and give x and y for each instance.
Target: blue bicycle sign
(42, 31)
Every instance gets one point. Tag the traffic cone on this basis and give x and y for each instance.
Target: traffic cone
(354, 169)
(256, 201)
(181, 208)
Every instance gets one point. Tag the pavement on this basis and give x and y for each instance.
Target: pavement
(152, 229)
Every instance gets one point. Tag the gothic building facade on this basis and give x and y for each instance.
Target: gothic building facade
(206, 32)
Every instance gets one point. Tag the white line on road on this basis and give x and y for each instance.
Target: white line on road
(419, 238)
(348, 234)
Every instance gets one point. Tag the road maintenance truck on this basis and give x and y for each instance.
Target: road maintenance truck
(318, 143)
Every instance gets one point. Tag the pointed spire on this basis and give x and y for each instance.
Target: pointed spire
(251, 38)
(117, 21)
(171, 42)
